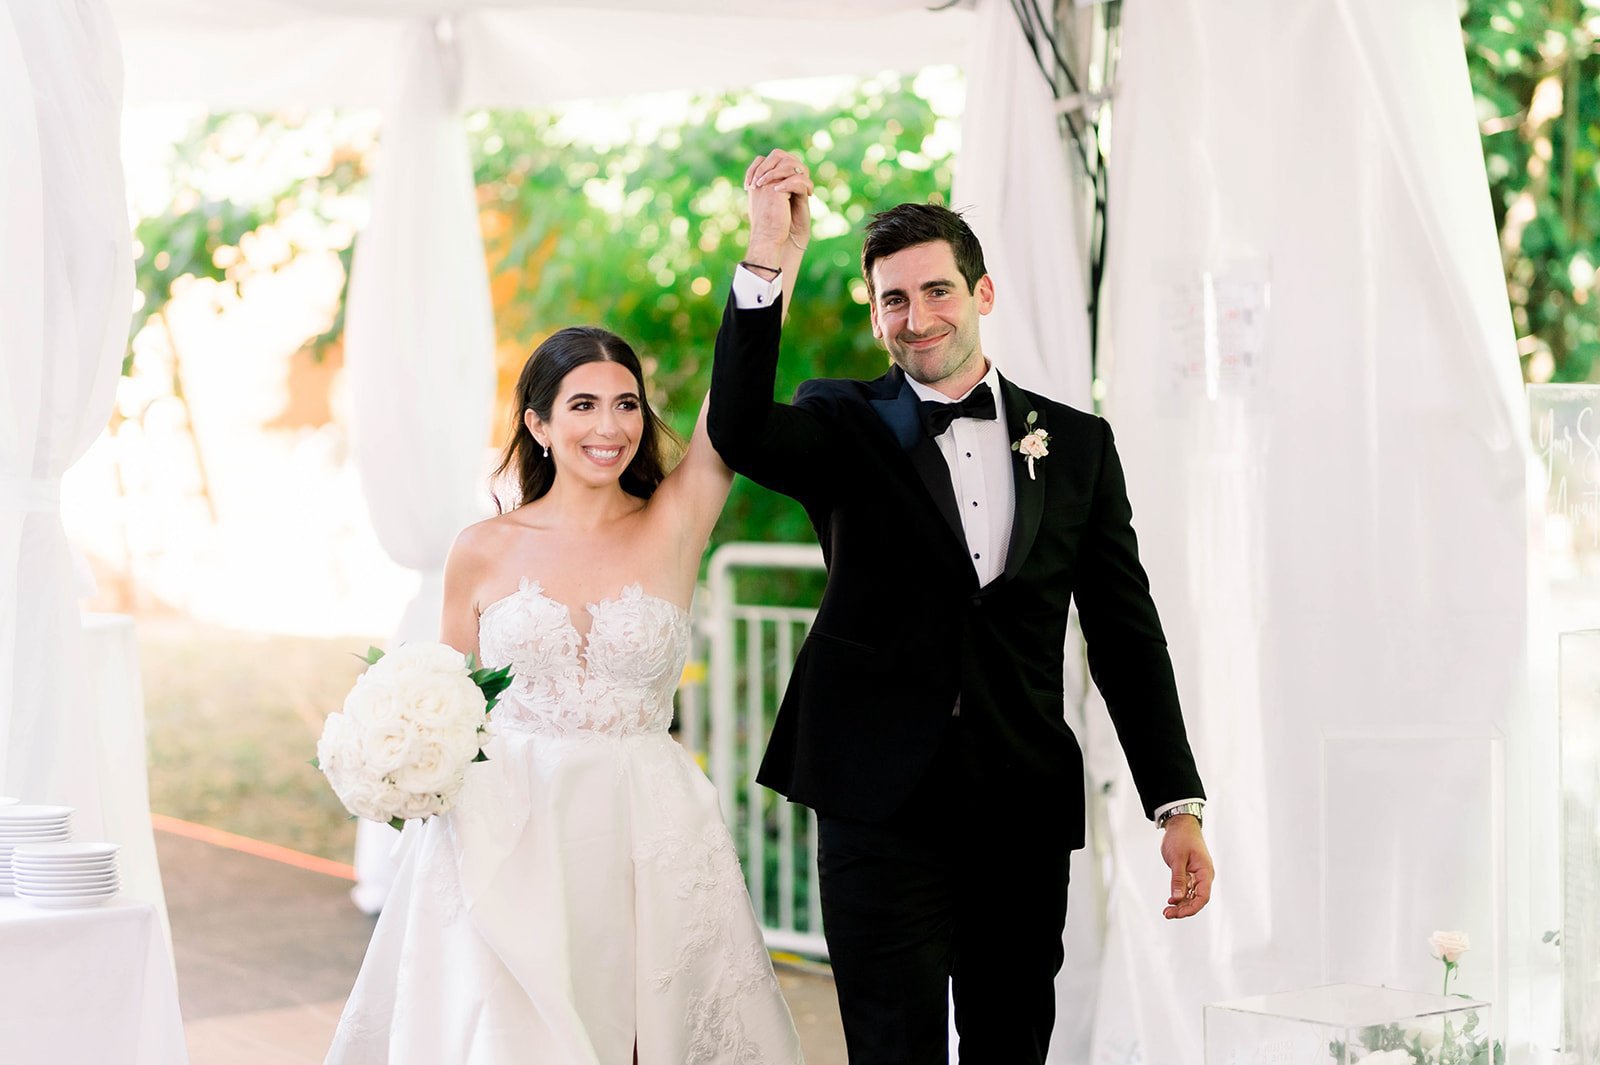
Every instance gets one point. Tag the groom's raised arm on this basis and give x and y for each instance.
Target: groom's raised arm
(786, 447)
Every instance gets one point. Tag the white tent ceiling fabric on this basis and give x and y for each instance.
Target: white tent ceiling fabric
(347, 53)
(1313, 376)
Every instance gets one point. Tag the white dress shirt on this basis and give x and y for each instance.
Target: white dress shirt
(978, 453)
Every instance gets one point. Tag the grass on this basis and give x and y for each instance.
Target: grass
(232, 720)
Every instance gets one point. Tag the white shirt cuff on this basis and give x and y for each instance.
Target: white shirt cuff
(1163, 809)
(752, 293)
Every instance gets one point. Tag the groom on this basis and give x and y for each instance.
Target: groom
(959, 516)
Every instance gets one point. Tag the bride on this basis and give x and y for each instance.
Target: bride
(582, 904)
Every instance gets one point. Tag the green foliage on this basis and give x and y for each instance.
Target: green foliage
(493, 683)
(1468, 1046)
(202, 231)
(1536, 75)
(186, 243)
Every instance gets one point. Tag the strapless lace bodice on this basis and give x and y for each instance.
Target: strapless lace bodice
(618, 682)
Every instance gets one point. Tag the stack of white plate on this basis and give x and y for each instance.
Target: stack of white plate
(66, 874)
(25, 823)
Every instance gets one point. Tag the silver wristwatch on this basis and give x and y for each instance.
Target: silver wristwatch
(1195, 808)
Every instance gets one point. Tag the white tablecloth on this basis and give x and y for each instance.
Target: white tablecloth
(121, 768)
(87, 987)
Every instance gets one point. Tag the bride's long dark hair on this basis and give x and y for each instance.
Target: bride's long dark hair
(537, 389)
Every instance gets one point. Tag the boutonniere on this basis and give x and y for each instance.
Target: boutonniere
(1035, 443)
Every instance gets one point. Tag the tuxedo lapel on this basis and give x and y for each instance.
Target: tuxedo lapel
(1029, 490)
(898, 409)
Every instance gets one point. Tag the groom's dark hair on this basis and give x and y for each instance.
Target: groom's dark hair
(911, 224)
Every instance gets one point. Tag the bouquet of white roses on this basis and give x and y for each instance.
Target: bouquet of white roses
(409, 728)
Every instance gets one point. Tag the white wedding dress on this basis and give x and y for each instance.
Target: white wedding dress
(583, 897)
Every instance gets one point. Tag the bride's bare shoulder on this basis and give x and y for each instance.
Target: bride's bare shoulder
(488, 538)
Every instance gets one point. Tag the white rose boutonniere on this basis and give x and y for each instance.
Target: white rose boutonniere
(1035, 443)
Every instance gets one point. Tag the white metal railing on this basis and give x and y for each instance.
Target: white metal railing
(751, 649)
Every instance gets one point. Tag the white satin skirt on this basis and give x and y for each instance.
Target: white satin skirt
(583, 899)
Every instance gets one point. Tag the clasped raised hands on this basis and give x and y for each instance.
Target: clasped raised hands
(779, 187)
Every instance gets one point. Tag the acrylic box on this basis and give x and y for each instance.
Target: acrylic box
(1348, 1024)
(1580, 844)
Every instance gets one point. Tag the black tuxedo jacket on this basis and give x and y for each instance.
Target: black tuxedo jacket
(903, 626)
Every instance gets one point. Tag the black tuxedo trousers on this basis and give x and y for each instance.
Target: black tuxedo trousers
(906, 794)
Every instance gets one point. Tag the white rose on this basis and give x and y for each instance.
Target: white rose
(429, 684)
(419, 805)
(336, 748)
(429, 771)
(419, 657)
(1034, 445)
(1388, 1057)
(386, 745)
(1449, 945)
(443, 701)
(463, 745)
(372, 700)
(366, 797)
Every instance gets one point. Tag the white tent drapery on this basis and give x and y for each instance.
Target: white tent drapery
(66, 288)
(1313, 376)
(420, 345)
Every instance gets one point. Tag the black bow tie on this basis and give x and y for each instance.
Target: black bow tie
(936, 416)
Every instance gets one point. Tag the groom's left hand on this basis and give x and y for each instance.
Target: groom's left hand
(1184, 851)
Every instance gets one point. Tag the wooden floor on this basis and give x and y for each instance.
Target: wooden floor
(266, 953)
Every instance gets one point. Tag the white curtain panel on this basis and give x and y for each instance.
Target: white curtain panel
(420, 350)
(66, 286)
(1017, 190)
(1314, 384)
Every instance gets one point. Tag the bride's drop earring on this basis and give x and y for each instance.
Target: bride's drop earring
(547, 451)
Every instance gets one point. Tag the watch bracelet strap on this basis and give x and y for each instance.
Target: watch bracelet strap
(1195, 809)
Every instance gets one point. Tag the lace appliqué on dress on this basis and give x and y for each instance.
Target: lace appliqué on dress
(358, 1027)
(620, 684)
(730, 970)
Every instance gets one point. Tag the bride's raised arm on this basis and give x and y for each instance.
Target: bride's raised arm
(695, 491)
